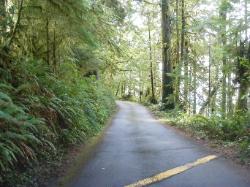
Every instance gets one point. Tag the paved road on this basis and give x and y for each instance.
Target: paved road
(136, 146)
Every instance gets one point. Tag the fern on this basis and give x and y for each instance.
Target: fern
(18, 134)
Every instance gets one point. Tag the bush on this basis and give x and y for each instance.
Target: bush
(233, 128)
(245, 148)
(19, 134)
(41, 110)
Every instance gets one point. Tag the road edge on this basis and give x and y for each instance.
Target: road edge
(210, 145)
(86, 151)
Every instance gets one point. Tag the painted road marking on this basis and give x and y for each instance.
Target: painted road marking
(171, 172)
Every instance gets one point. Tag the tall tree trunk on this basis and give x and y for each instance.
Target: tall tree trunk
(153, 99)
(229, 94)
(242, 74)
(242, 78)
(223, 17)
(190, 79)
(177, 64)
(214, 97)
(194, 86)
(183, 53)
(209, 71)
(167, 83)
(183, 25)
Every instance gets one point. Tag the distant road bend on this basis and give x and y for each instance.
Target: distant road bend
(139, 151)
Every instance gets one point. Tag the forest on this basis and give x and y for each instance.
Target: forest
(64, 63)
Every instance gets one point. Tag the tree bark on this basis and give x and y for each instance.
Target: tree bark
(209, 72)
(183, 53)
(243, 68)
(195, 86)
(167, 83)
(214, 97)
(243, 77)
(177, 64)
(223, 17)
(229, 94)
(153, 99)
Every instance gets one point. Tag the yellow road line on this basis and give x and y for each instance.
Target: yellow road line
(171, 172)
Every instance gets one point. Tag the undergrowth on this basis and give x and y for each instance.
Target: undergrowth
(42, 111)
(234, 129)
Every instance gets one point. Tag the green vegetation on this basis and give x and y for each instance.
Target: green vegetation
(233, 131)
(62, 61)
(197, 70)
(52, 88)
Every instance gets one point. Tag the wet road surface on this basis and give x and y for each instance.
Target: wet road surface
(136, 147)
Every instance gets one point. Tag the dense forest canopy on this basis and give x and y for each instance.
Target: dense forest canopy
(63, 63)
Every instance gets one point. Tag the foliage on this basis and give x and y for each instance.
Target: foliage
(232, 129)
(205, 50)
(47, 110)
(60, 62)
(19, 133)
(49, 96)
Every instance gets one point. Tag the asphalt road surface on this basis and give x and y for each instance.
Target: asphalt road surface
(136, 147)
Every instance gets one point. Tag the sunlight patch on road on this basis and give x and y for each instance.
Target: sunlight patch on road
(169, 173)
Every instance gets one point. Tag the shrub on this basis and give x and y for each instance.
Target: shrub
(41, 111)
(20, 133)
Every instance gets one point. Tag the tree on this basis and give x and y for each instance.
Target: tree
(243, 75)
(153, 99)
(167, 82)
(223, 18)
(177, 63)
(184, 59)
